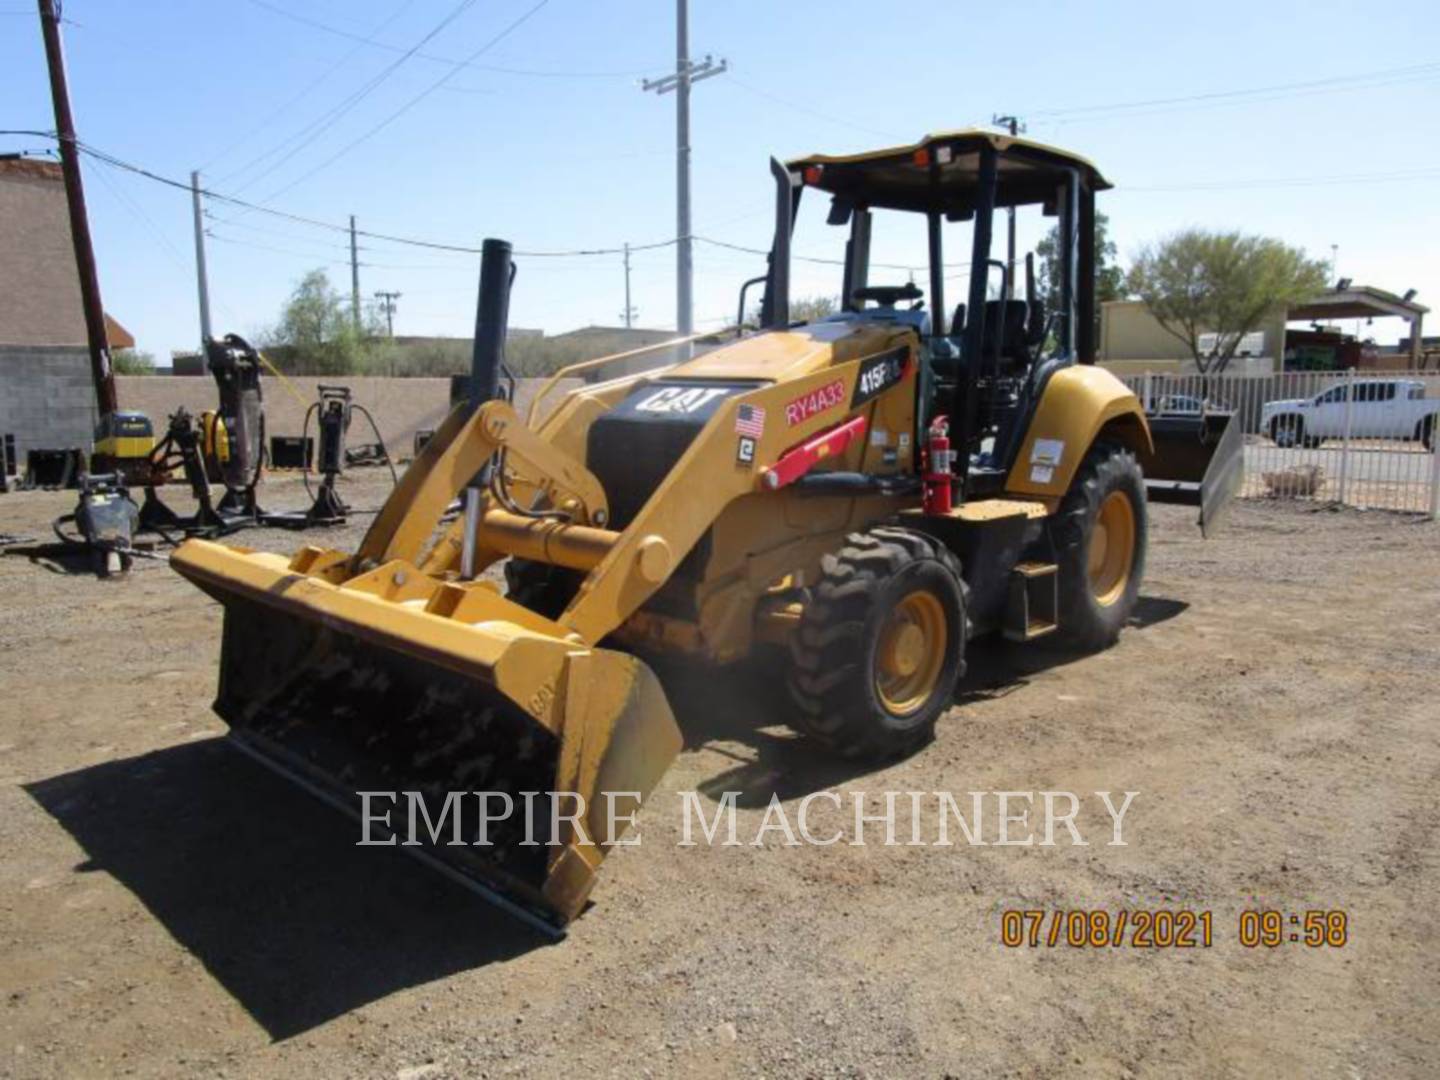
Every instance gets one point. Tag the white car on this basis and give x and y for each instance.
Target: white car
(1382, 409)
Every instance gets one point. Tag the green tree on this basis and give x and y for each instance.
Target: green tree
(813, 308)
(132, 362)
(1196, 282)
(316, 334)
(803, 309)
(1109, 277)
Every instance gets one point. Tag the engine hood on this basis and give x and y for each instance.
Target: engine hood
(779, 355)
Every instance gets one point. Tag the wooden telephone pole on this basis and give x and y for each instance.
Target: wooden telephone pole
(101, 369)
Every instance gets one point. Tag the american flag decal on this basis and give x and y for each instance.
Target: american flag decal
(750, 420)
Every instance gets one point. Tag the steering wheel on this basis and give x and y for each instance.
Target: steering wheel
(888, 295)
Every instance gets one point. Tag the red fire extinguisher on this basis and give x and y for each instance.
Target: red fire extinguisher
(940, 460)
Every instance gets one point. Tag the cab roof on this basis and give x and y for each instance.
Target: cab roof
(941, 172)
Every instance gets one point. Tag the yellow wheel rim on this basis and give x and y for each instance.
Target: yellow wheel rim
(1112, 549)
(911, 653)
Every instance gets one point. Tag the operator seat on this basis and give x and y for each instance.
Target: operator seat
(1007, 324)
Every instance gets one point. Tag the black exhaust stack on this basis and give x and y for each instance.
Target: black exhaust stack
(492, 318)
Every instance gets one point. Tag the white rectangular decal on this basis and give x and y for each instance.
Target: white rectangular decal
(1041, 474)
(1047, 452)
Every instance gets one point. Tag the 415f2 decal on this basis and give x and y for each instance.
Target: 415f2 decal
(878, 374)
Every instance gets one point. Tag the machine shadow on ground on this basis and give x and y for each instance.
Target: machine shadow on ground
(747, 705)
(265, 886)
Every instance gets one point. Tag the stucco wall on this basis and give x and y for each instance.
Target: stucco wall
(40, 297)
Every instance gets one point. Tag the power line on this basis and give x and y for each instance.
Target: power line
(323, 260)
(810, 111)
(457, 64)
(376, 129)
(812, 258)
(409, 241)
(1293, 181)
(1338, 82)
(329, 118)
(295, 99)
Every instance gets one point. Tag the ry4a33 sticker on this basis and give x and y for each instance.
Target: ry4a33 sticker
(815, 402)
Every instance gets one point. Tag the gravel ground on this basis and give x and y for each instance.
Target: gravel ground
(169, 908)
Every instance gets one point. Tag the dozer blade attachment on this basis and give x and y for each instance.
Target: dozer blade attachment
(397, 682)
(1198, 461)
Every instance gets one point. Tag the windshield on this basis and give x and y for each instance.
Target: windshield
(900, 257)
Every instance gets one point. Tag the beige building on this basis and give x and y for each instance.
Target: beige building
(1132, 340)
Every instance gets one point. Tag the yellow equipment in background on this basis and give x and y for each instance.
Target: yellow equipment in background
(123, 442)
(868, 492)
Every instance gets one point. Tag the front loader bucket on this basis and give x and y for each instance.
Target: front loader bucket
(1198, 461)
(395, 682)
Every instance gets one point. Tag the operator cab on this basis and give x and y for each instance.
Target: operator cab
(988, 356)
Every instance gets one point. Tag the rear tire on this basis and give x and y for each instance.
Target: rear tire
(880, 645)
(1100, 534)
(1426, 433)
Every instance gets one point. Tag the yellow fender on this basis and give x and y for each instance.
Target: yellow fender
(1078, 404)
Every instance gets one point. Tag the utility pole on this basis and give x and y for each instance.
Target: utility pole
(629, 314)
(686, 74)
(355, 278)
(202, 276)
(1013, 123)
(387, 305)
(101, 369)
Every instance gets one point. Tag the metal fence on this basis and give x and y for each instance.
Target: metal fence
(1360, 439)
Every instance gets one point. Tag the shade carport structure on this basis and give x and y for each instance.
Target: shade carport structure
(1364, 302)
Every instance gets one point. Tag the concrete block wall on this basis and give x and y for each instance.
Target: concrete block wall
(47, 399)
(400, 406)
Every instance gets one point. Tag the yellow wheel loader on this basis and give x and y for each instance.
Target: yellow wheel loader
(866, 492)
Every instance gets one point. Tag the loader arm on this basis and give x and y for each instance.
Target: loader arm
(451, 460)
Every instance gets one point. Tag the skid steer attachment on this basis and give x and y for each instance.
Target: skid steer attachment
(1198, 461)
(444, 701)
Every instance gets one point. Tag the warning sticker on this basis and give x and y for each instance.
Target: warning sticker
(1041, 474)
(1047, 452)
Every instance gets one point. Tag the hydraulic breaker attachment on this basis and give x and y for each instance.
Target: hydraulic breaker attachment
(452, 698)
(1198, 461)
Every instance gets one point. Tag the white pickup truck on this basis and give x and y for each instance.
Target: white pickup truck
(1382, 409)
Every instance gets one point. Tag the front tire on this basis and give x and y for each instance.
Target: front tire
(1427, 433)
(880, 645)
(1100, 536)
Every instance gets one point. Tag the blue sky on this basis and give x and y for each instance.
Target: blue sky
(547, 139)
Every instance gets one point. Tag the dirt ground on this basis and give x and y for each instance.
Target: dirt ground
(167, 907)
